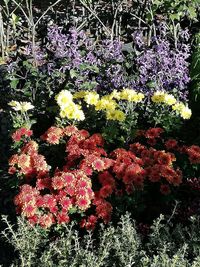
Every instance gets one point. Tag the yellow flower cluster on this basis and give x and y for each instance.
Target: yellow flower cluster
(168, 99)
(131, 95)
(183, 110)
(68, 109)
(108, 103)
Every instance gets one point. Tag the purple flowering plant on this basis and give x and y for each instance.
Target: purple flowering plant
(75, 62)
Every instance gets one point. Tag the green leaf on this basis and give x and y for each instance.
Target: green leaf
(85, 66)
(14, 83)
(192, 12)
(88, 85)
(128, 47)
(175, 16)
(151, 84)
(73, 73)
(73, 210)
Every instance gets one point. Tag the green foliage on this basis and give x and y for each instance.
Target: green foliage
(119, 246)
(176, 10)
(195, 69)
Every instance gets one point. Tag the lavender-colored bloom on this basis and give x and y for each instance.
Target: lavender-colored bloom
(160, 66)
(165, 66)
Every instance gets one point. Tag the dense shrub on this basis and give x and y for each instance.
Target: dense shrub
(121, 245)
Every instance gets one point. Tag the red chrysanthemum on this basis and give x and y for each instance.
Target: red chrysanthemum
(106, 191)
(46, 220)
(58, 182)
(83, 203)
(62, 217)
(171, 144)
(98, 165)
(153, 133)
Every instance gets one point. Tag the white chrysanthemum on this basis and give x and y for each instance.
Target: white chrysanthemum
(25, 106)
(21, 106)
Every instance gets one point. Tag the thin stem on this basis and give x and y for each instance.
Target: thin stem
(46, 11)
(26, 16)
(95, 15)
(84, 23)
(140, 19)
(115, 19)
(2, 35)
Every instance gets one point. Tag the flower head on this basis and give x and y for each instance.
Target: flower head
(21, 106)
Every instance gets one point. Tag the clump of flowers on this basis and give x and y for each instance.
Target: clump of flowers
(162, 66)
(113, 104)
(194, 154)
(170, 100)
(20, 133)
(68, 108)
(49, 196)
(21, 114)
(90, 178)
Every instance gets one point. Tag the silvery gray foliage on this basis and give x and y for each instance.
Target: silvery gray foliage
(116, 246)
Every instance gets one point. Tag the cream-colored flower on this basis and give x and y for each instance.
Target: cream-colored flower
(91, 98)
(178, 106)
(25, 106)
(115, 94)
(105, 104)
(186, 113)
(21, 106)
(64, 98)
(169, 99)
(158, 97)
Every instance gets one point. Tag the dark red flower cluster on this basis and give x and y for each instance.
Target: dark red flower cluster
(151, 135)
(140, 163)
(194, 154)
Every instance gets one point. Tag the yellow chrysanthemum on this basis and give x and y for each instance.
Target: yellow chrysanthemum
(169, 99)
(136, 97)
(91, 98)
(115, 94)
(128, 94)
(117, 115)
(72, 112)
(79, 115)
(131, 95)
(80, 94)
(64, 98)
(104, 104)
(158, 97)
(68, 112)
(186, 113)
(178, 106)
